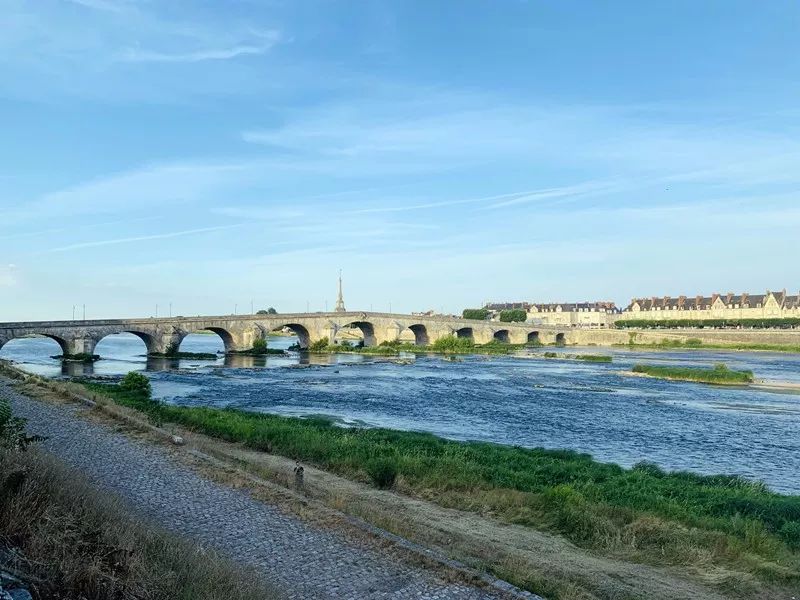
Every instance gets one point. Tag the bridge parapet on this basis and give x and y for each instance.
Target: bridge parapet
(239, 332)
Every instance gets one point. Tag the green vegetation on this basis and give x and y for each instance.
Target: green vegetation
(79, 357)
(719, 374)
(641, 513)
(259, 349)
(783, 323)
(513, 315)
(382, 470)
(697, 343)
(477, 314)
(136, 384)
(12, 430)
(174, 352)
(599, 358)
(453, 344)
(445, 345)
(269, 311)
(74, 541)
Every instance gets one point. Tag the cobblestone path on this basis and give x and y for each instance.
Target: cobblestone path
(304, 561)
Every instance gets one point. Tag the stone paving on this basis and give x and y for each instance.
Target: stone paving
(303, 561)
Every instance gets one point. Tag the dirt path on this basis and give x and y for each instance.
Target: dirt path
(305, 561)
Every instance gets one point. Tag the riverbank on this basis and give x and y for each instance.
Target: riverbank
(59, 524)
(639, 514)
(304, 549)
(697, 344)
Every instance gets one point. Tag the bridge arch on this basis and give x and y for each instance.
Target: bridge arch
(147, 339)
(533, 338)
(421, 337)
(561, 339)
(502, 335)
(231, 340)
(465, 332)
(63, 344)
(367, 330)
(303, 337)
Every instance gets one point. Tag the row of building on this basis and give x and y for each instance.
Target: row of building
(771, 305)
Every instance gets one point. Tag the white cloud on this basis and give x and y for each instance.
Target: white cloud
(267, 41)
(141, 238)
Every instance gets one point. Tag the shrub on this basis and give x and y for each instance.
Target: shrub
(259, 346)
(12, 429)
(382, 470)
(136, 384)
(514, 315)
(478, 314)
(319, 346)
(790, 532)
(451, 343)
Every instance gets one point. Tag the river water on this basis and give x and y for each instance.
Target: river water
(589, 407)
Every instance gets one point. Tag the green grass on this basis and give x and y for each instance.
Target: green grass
(700, 344)
(780, 322)
(719, 374)
(598, 358)
(80, 357)
(445, 345)
(643, 512)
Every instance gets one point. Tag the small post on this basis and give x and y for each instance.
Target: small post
(299, 484)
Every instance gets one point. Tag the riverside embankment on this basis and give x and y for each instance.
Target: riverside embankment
(302, 559)
(597, 578)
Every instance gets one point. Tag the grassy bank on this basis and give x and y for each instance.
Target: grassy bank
(695, 343)
(641, 514)
(445, 345)
(73, 541)
(719, 374)
(70, 540)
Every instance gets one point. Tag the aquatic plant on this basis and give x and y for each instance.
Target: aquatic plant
(720, 373)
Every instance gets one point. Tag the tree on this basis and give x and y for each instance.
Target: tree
(269, 311)
(479, 314)
(513, 315)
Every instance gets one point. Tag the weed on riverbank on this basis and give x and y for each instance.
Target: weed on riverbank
(698, 344)
(720, 374)
(71, 540)
(642, 513)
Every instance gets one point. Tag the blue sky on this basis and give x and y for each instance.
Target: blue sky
(440, 153)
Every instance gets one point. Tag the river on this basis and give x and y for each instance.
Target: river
(589, 407)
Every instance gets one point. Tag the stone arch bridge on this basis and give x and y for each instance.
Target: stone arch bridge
(238, 332)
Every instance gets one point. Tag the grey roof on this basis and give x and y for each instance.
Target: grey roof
(730, 299)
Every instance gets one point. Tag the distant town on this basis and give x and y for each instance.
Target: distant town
(770, 308)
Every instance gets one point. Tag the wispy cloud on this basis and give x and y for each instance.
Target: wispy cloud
(267, 42)
(140, 238)
(103, 5)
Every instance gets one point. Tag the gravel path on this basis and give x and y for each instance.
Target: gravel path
(305, 562)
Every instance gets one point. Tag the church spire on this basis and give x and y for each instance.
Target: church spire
(340, 299)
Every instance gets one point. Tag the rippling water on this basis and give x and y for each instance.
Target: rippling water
(590, 407)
